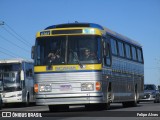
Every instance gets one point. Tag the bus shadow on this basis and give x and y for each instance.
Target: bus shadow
(83, 112)
(83, 109)
(17, 105)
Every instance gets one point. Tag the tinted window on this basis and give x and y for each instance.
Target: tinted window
(128, 51)
(29, 70)
(80, 49)
(114, 46)
(121, 49)
(9, 67)
(139, 52)
(134, 53)
(6, 74)
(107, 60)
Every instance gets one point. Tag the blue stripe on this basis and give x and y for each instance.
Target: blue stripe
(67, 71)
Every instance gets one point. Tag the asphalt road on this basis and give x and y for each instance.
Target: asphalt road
(116, 112)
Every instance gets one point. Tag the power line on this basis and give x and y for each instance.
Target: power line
(16, 37)
(7, 54)
(11, 52)
(14, 44)
(18, 34)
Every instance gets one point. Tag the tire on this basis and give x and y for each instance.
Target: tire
(0, 104)
(132, 103)
(107, 106)
(27, 103)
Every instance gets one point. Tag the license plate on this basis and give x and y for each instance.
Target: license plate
(65, 87)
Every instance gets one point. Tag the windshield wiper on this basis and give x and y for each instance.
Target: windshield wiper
(76, 57)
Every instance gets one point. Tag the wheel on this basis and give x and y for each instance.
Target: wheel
(134, 103)
(27, 100)
(131, 103)
(107, 106)
(0, 104)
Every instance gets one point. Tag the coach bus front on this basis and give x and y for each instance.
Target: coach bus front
(68, 67)
(11, 83)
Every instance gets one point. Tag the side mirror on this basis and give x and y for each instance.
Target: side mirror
(22, 75)
(32, 52)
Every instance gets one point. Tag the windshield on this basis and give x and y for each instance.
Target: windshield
(9, 76)
(149, 87)
(5, 67)
(67, 50)
(11, 81)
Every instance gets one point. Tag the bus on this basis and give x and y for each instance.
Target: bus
(16, 78)
(115, 72)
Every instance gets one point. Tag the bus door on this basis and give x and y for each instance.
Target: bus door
(107, 63)
(107, 60)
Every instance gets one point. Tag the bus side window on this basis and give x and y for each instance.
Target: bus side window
(29, 72)
(134, 53)
(140, 56)
(121, 49)
(128, 51)
(107, 55)
(114, 46)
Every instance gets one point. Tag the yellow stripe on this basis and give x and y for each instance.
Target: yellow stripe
(68, 68)
(96, 32)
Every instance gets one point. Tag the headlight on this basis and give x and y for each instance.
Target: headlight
(18, 95)
(87, 86)
(13, 96)
(45, 88)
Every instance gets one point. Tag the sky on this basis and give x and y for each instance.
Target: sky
(136, 19)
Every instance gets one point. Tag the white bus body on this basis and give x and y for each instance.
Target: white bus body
(16, 76)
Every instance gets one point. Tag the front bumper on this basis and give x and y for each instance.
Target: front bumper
(72, 99)
(12, 100)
